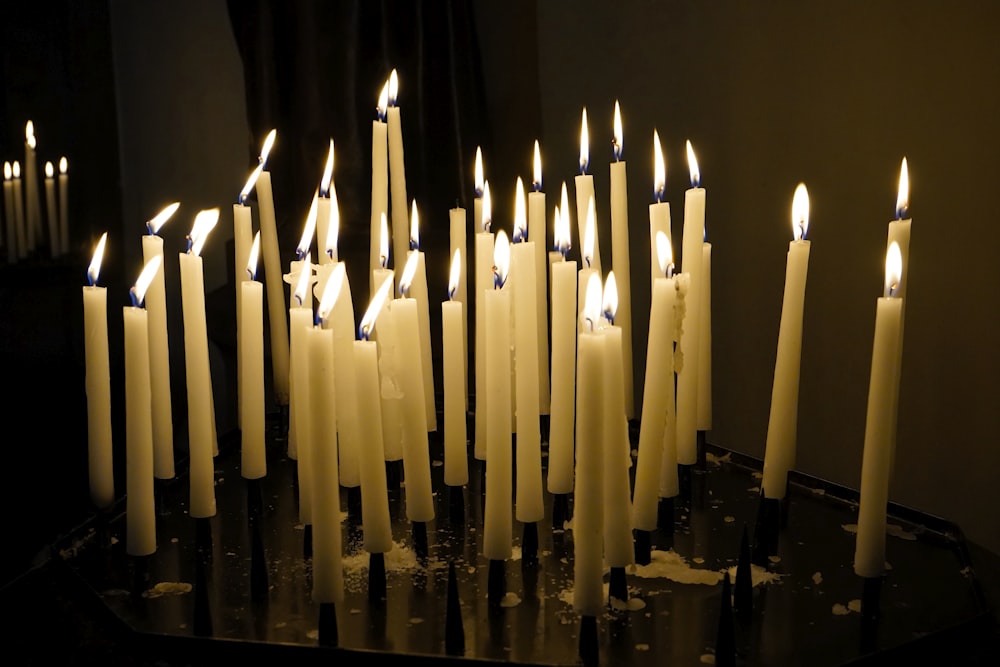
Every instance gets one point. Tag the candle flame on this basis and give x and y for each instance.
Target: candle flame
(393, 87)
(564, 220)
(254, 254)
(659, 169)
(893, 269)
(693, 167)
(616, 143)
(324, 184)
(383, 242)
(331, 292)
(536, 174)
(304, 280)
(145, 279)
(8, 173)
(520, 213)
(17, 169)
(584, 143)
(63, 165)
(560, 233)
(592, 302)
(478, 174)
(501, 259)
(455, 274)
(50, 171)
(903, 197)
(383, 101)
(800, 212)
(409, 271)
(157, 221)
(95, 263)
(204, 222)
(414, 226)
(609, 306)
(266, 148)
(309, 229)
(333, 225)
(251, 182)
(367, 325)
(29, 133)
(664, 254)
(589, 232)
(487, 221)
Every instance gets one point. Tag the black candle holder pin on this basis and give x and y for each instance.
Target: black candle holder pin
(702, 460)
(456, 505)
(725, 636)
(684, 472)
(307, 541)
(765, 534)
(643, 547)
(665, 515)
(454, 633)
(529, 543)
(588, 644)
(560, 510)
(419, 531)
(376, 578)
(618, 586)
(328, 634)
(496, 582)
(743, 598)
(354, 504)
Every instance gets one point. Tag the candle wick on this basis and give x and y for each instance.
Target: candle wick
(250, 273)
(329, 253)
(133, 297)
(382, 261)
(670, 270)
(590, 323)
(149, 228)
(190, 243)
(610, 317)
(414, 245)
(363, 331)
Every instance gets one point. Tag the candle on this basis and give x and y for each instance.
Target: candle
(585, 193)
(390, 393)
(484, 283)
(705, 347)
(159, 349)
(620, 261)
(253, 458)
(242, 240)
(779, 452)
(380, 182)
(687, 376)
(98, 384)
(300, 319)
(899, 233)
(588, 517)
(529, 502)
(22, 232)
(456, 219)
(397, 172)
(617, 457)
(561, 424)
(657, 435)
(8, 206)
(418, 288)
(376, 524)
(587, 269)
(880, 422)
(33, 213)
(323, 208)
(52, 214)
(659, 210)
(64, 204)
(327, 566)
(456, 464)
(416, 455)
(479, 183)
(201, 473)
(536, 232)
(498, 524)
(277, 322)
(140, 515)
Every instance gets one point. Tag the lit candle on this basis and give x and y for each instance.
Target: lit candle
(64, 204)
(899, 233)
(536, 232)
(375, 520)
(380, 183)
(779, 453)
(159, 349)
(529, 503)
(587, 269)
(300, 320)
(620, 261)
(323, 208)
(277, 322)
(33, 213)
(484, 284)
(584, 194)
(418, 288)
(497, 520)
(52, 214)
(459, 244)
(456, 464)
(397, 173)
(242, 240)
(8, 206)
(561, 424)
(140, 513)
(98, 384)
(479, 183)
(659, 210)
(253, 459)
(687, 373)
(416, 455)
(880, 422)
(22, 232)
(391, 394)
(201, 435)
(705, 348)
(657, 435)
(588, 503)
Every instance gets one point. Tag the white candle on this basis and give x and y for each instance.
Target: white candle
(33, 212)
(705, 348)
(22, 232)
(536, 233)
(497, 520)
(253, 455)
(98, 385)
(300, 320)
(456, 463)
(561, 420)
(459, 244)
(585, 193)
(51, 212)
(659, 210)
(159, 349)
(617, 457)
(277, 322)
(880, 422)
(323, 210)
(588, 496)
(140, 513)
(779, 453)
(587, 267)
(529, 501)
(657, 435)
(391, 391)
(242, 240)
(484, 284)
(8, 206)
(899, 233)
(620, 261)
(397, 176)
(64, 204)
(416, 455)
(418, 289)
(201, 472)
(380, 184)
(376, 524)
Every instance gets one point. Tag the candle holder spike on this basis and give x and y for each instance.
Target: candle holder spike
(202, 618)
(643, 547)
(456, 505)
(743, 598)
(328, 633)
(560, 510)
(307, 542)
(354, 503)
(529, 543)
(496, 584)
(589, 641)
(419, 532)
(618, 586)
(665, 515)
(725, 636)
(376, 578)
(454, 641)
(766, 530)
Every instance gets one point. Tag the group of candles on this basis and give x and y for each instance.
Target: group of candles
(358, 397)
(24, 231)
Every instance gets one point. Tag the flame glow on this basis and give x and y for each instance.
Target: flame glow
(800, 212)
(487, 219)
(305, 279)
(63, 165)
(367, 325)
(659, 168)
(383, 242)
(309, 229)
(618, 138)
(29, 134)
(331, 292)
(584, 143)
(693, 167)
(252, 258)
(383, 101)
(536, 174)
(146, 278)
(455, 274)
(17, 169)
(8, 173)
(609, 307)
(266, 148)
(409, 271)
(520, 213)
(324, 184)
(903, 197)
(564, 212)
(501, 259)
(333, 225)
(893, 269)
(95, 263)
(560, 233)
(251, 181)
(478, 175)
(204, 222)
(393, 87)
(414, 226)
(592, 302)
(157, 221)
(50, 171)
(589, 232)
(664, 254)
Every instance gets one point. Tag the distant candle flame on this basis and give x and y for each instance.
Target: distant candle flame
(693, 167)
(487, 220)
(367, 325)
(309, 229)
(157, 221)
(95, 263)
(893, 269)
(17, 169)
(324, 184)
(584, 143)
(304, 280)
(145, 279)
(414, 226)
(204, 222)
(50, 171)
(800, 212)
(520, 213)
(903, 198)
(564, 212)
(254, 254)
(331, 292)
(501, 259)
(659, 169)
(29, 133)
(8, 173)
(383, 242)
(266, 148)
(393, 87)
(589, 232)
(609, 306)
(333, 226)
(63, 165)
(616, 143)
(455, 274)
(383, 101)
(664, 254)
(251, 182)
(560, 229)
(536, 174)
(478, 175)
(592, 302)
(409, 271)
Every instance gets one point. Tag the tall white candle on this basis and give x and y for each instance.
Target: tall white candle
(899, 233)
(705, 348)
(140, 513)
(242, 240)
(659, 210)
(418, 289)
(779, 453)
(8, 210)
(497, 520)
(484, 284)
(397, 177)
(456, 463)
(585, 193)
(380, 184)
(620, 259)
(51, 210)
(300, 320)
(159, 349)
(22, 232)
(457, 222)
(536, 234)
(323, 209)
(880, 422)
(299, 294)
(253, 454)
(587, 267)
(201, 473)
(33, 206)
(588, 496)
(391, 392)
(98, 384)
(563, 411)
(64, 204)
